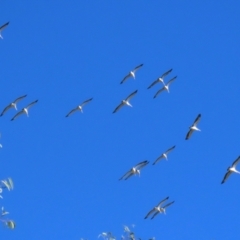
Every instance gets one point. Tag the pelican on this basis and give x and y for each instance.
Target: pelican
(131, 73)
(231, 170)
(160, 79)
(157, 208)
(12, 105)
(135, 170)
(164, 155)
(162, 210)
(2, 28)
(165, 87)
(24, 110)
(193, 127)
(125, 102)
(80, 107)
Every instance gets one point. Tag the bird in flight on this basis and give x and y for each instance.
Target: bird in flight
(135, 170)
(231, 170)
(125, 101)
(160, 79)
(193, 127)
(165, 87)
(164, 155)
(2, 28)
(131, 73)
(79, 107)
(12, 105)
(158, 209)
(24, 110)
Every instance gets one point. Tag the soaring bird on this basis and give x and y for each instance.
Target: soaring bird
(24, 110)
(160, 79)
(12, 105)
(164, 155)
(231, 170)
(125, 101)
(135, 170)
(79, 107)
(165, 87)
(157, 208)
(131, 73)
(162, 209)
(2, 28)
(193, 127)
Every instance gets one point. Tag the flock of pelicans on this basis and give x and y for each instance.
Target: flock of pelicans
(126, 102)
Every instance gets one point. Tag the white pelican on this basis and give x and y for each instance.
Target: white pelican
(160, 79)
(12, 105)
(125, 102)
(193, 127)
(164, 155)
(131, 73)
(165, 87)
(231, 170)
(157, 208)
(2, 28)
(80, 107)
(24, 110)
(135, 170)
(162, 209)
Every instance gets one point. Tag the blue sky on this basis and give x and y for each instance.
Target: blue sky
(66, 170)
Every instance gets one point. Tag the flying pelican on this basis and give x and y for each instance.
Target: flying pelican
(135, 170)
(165, 87)
(24, 110)
(125, 102)
(12, 105)
(193, 127)
(157, 208)
(80, 107)
(160, 79)
(162, 210)
(131, 73)
(164, 155)
(231, 170)
(2, 28)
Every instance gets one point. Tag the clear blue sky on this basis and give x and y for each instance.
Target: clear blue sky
(66, 170)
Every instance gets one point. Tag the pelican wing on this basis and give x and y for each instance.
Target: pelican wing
(4, 26)
(131, 174)
(158, 92)
(159, 158)
(5, 109)
(170, 149)
(155, 214)
(72, 111)
(137, 68)
(162, 201)
(17, 115)
(85, 102)
(236, 162)
(167, 205)
(31, 104)
(170, 81)
(131, 95)
(189, 134)
(166, 73)
(125, 78)
(18, 99)
(226, 176)
(197, 119)
(141, 164)
(128, 172)
(155, 82)
(149, 213)
(118, 107)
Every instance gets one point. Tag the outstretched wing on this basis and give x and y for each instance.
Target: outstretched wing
(72, 111)
(167, 205)
(155, 82)
(154, 215)
(125, 78)
(162, 201)
(226, 176)
(141, 164)
(170, 149)
(137, 68)
(159, 158)
(31, 104)
(20, 98)
(5, 109)
(128, 172)
(131, 95)
(118, 107)
(189, 134)
(149, 213)
(4, 26)
(197, 119)
(85, 102)
(17, 115)
(166, 73)
(170, 81)
(236, 162)
(158, 92)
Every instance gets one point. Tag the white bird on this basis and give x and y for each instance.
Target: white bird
(135, 170)
(125, 102)
(164, 155)
(193, 127)
(231, 170)
(79, 107)
(12, 105)
(157, 208)
(160, 79)
(162, 210)
(2, 28)
(131, 73)
(4, 212)
(24, 110)
(165, 87)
